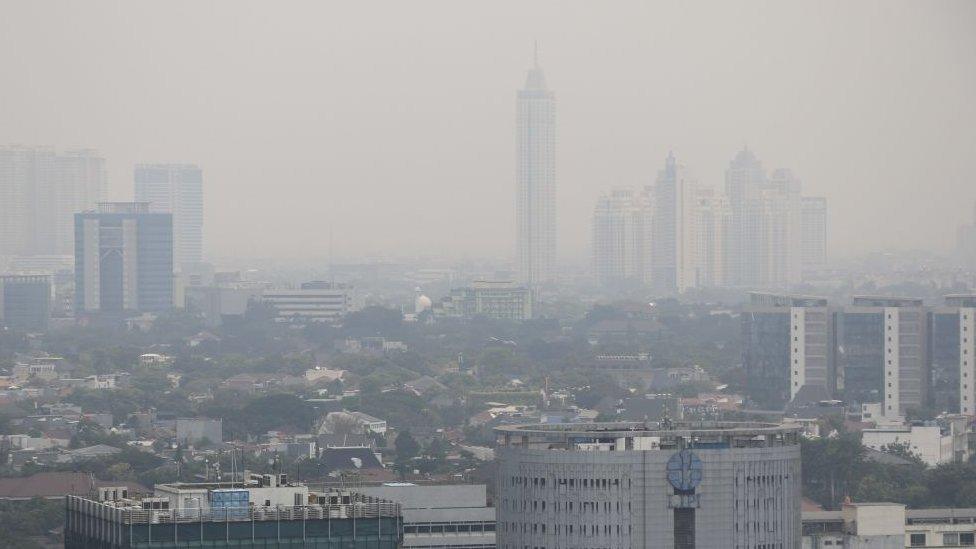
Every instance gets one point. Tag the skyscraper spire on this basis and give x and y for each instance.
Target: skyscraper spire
(535, 53)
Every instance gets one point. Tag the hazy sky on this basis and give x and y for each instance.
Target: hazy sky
(393, 121)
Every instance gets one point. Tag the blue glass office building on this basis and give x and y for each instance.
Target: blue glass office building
(123, 260)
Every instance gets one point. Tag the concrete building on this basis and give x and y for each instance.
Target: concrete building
(25, 302)
(789, 342)
(260, 511)
(123, 259)
(934, 444)
(888, 526)
(40, 191)
(312, 302)
(535, 213)
(454, 516)
(675, 242)
(952, 353)
(622, 238)
(176, 189)
(653, 485)
(883, 353)
(502, 300)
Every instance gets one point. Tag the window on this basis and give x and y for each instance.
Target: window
(967, 538)
(917, 540)
(950, 539)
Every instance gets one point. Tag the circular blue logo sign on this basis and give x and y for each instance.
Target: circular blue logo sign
(684, 470)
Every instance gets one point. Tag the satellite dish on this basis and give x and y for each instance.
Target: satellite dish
(358, 463)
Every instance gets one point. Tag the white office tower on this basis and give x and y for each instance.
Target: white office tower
(536, 180)
(176, 189)
(622, 238)
(675, 242)
(40, 191)
(814, 222)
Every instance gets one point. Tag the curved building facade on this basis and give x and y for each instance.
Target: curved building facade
(648, 485)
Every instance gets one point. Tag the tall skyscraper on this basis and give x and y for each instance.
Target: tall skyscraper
(40, 191)
(675, 242)
(744, 180)
(176, 189)
(622, 238)
(814, 222)
(535, 214)
(772, 231)
(712, 222)
(123, 259)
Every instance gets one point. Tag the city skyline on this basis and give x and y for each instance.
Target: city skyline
(257, 119)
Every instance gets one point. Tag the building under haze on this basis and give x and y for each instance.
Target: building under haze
(883, 353)
(25, 301)
(40, 191)
(966, 242)
(952, 353)
(123, 259)
(176, 189)
(498, 299)
(675, 242)
(622, 238)
(317, 301)
(648, 484)
(788, 346)
(535, 212)
(773, 233)
(814, 235)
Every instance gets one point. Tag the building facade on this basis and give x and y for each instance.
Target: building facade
(176, 189)
(652, 485)
(535, 212)
(123, 259)
(889, 526)
(789, 343)
(40, 191)
(622, 238)
(311, 302)
(883, 356)
(25, 302)
(501, 300)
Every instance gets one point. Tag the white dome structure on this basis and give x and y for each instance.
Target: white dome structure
(422, 303)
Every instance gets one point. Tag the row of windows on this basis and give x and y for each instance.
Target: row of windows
(949, 539)
(587, 483)
(586, 530)
(448, 528)
(564, 506)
